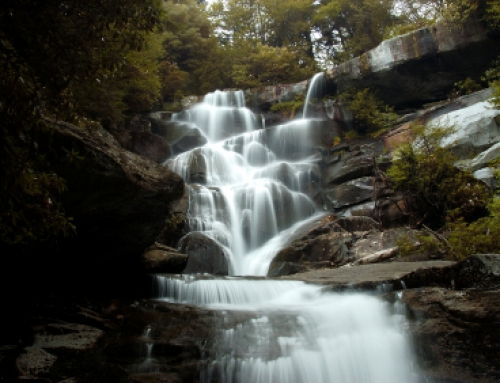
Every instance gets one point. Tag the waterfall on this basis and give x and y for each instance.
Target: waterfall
(248, 192)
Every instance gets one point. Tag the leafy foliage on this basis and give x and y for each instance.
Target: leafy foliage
(435, 191)
(459, 239)
(289, 108)
(275, 47)
(370, 114)
(48, 50)
(265, 65)
(193, 62)
(479, 237)
(350, 28)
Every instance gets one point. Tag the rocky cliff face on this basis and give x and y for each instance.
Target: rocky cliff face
(421, 66)
(405, 71)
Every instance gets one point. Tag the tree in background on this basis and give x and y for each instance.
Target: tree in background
(349, 28)
(49, 50)
(277, 32)
(193, 62)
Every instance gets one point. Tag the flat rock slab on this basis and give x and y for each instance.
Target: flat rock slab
(367, 276)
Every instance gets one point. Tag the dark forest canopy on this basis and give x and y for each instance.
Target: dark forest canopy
(99, 62)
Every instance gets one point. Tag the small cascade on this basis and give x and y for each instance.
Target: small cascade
(249, 192)
(315, 92)
(147, 364)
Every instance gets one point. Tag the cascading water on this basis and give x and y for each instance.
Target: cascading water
(247, 193)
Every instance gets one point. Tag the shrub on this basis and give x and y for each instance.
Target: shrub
(434, 190)
(289, 108)
(370, 114)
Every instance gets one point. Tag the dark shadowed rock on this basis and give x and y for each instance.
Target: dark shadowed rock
(119, 200)
(205, 255)
(145, 144)
(456, 333)
(349, 167)
(476, 271)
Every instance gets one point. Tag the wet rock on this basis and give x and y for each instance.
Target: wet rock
(156, 377)
(52, 342)
(351, 192)
(326, 245)
(205, 255)
(349, 167)
(456, 333)
(67, 336)
(176, 225)
(159, 258)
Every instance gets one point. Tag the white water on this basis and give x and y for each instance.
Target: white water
(251, 202)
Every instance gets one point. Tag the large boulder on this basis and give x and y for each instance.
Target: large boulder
(205, 255)
(145, 144)
(477, 128)
(325, 250)
(119, 200)
(327, 244)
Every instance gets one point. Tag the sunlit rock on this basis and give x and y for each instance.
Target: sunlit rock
(421, 66)
(477, 128)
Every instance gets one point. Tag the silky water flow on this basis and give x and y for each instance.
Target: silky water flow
(253, 199)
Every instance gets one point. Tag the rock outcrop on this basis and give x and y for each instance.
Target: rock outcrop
(334, 243)
(119, 200)
(421, 66)
(146, 144)
(456, 333)
(205, 255)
